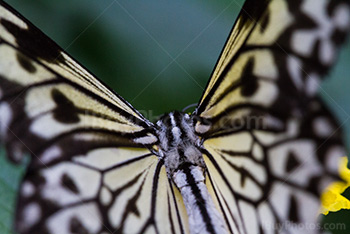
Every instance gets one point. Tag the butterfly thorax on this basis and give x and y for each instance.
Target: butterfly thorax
(179, 146)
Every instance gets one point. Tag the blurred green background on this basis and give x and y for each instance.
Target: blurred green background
(158, 55)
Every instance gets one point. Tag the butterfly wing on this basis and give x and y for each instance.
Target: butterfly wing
(271, 145)
(278, 50)
(90, 167)
(44, 92)
(106, 190)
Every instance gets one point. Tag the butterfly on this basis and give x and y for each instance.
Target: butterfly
(253, 157)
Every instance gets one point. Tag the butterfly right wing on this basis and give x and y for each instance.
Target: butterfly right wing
(271, 182)
(274, 60)
(271, 146)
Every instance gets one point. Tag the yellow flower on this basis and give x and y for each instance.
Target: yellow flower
(331, 199)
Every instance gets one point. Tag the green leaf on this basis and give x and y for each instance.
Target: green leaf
(10, 176)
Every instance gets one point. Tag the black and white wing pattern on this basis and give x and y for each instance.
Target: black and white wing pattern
(90, 168)
(271, 144)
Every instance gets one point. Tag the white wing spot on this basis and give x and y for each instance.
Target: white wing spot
(50, 154)
(27, 189)
(322, 127)
(258, 152)
(31, 214)
(312, 84)
(308, 39)
(5, 118)
(105, 196)
(333, 157)
(342, 17)
(327, 52)
(295, 69)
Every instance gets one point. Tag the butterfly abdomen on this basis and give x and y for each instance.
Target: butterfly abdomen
(202, 213)
(180, 148)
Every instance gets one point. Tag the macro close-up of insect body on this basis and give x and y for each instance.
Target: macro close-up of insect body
(259, 153)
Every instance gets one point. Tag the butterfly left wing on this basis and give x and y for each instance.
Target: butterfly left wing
(271, 145)
(91, 169)
(106, 190)
(45, 94)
